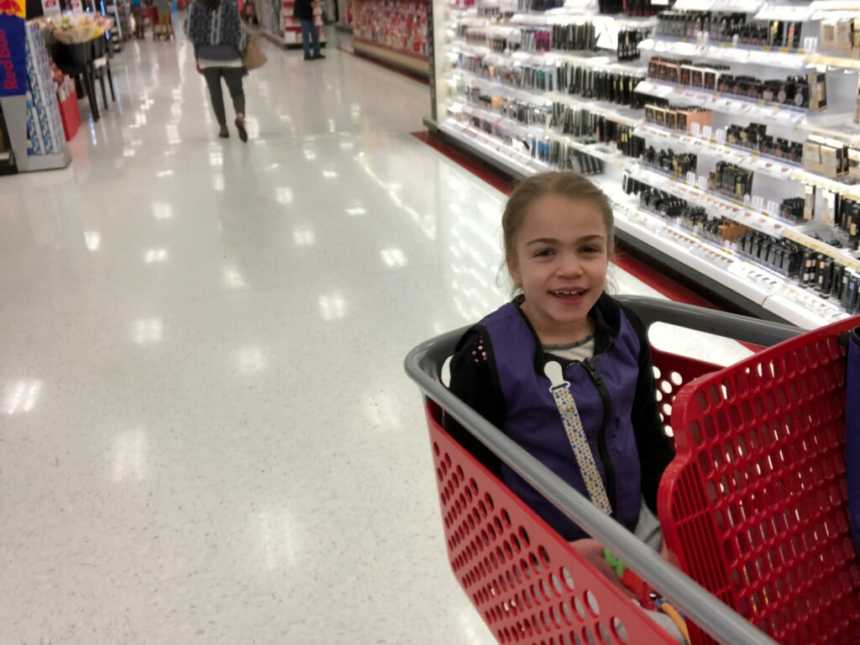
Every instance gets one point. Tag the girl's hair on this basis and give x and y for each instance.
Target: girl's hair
(211, 5)
(564, 184)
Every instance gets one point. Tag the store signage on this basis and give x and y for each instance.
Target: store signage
(51, 8)
(13, 8)
(13, 50)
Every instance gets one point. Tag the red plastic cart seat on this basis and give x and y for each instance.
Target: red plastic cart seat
(754, 505)
(529, 585)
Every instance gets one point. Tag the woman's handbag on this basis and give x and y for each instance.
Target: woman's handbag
(253, 57)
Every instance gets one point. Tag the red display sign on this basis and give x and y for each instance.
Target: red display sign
(13, 52)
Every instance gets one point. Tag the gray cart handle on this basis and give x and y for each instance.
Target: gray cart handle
(423, 365)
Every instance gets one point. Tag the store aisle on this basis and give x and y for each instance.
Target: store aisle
(205, 433)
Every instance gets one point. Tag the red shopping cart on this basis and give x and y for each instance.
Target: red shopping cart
(720, 515)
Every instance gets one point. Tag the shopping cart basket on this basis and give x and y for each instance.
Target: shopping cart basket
(529, 585)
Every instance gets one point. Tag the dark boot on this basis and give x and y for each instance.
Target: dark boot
(240, 126)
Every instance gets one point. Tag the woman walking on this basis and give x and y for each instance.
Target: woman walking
(215, 30)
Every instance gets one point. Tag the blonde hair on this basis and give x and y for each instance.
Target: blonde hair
(564, 184)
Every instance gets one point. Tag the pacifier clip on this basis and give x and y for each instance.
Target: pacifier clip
(560, 390)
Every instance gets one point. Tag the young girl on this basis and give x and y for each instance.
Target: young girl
(512, 366)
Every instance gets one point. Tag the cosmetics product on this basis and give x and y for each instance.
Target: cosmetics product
(792, 208)
(808, 203)
(731, 180)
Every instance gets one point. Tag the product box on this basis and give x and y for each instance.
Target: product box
(812, 157)
(854, 164)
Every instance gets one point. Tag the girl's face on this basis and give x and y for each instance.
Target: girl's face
(561, 258)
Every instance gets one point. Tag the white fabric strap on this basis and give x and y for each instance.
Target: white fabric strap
(566, 405)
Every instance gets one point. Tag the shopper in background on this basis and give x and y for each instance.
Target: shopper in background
(249, 14)
(304, 11)
(565, 369)
(163, 27)
(215, 30)
(137, 14)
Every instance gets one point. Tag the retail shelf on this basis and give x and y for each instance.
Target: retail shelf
(504, 156)
(705, 258)
(727, 6)
(843, 256)
(535, 94)
(803, 307)
(724, 104)
(821, 9)
(566, 16)
(472, 49)
(770, 290)
(763, 164)
(617, 113)
(841, 62)
(784, 12)
(749, 158)
(739, 6)
(811, 179)
(838, 126)
(717, 266)
(603, 61)
(712, 203)
(766, 289)
(742, 214)
(729, 53)
(599, 151)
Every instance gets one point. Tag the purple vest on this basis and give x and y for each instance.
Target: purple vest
(603, 389)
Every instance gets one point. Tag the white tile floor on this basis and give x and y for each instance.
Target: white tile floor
(205, 432)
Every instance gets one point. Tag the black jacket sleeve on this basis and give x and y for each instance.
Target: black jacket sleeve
(474, 381)
(656, 450)
(303, 9)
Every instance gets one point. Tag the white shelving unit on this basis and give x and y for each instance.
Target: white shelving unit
(505, 142)
(782, 58)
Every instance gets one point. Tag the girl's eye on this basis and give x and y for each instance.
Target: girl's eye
(591, 249)
(544, 253)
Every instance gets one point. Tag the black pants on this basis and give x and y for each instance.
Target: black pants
(310, 36)
(233, 77)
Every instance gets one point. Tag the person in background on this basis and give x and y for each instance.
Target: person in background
(249, 14)
(137, 13)
(163, 27)
(215, 30)
(304, 11)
